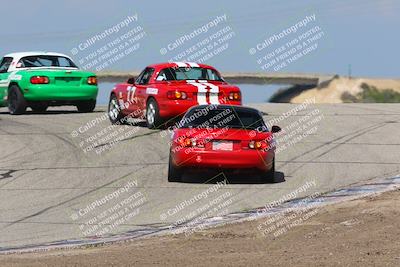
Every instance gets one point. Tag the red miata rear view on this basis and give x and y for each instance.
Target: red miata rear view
(223, 137)
(165, 91)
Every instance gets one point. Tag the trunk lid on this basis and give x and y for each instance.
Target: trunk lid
(206, 92)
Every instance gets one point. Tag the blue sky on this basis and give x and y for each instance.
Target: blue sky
(364, 34)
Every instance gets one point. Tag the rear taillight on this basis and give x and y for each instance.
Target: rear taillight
(234, 96)
(261, 145)
(39, 80)
(176, 95)
(186, 142)
(92, 80)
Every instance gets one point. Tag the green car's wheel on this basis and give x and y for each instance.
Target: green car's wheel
(39, 106)
(86, 106)
(16, 101)
(153, 118)
(114, 110)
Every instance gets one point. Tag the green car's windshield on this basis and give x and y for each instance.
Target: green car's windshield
(45, 61)
(194, 73)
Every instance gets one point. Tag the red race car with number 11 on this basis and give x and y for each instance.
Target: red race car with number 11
(167, 90)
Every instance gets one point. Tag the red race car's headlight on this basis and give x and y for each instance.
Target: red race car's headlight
(234, 96)
(176, 95)
(39, 80)
(92, 80)
(258, 145)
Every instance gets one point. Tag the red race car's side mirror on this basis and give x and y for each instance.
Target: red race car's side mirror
(275, 129)
(131, 80)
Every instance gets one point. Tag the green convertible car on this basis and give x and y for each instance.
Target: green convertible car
(42, 79)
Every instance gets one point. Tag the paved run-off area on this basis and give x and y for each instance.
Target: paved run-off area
(48, 183)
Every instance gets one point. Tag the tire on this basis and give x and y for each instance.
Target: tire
(114, 110)
(153, 119)
(174, 173)
(38, 106)
(269, 176)
(86, 106)
(16, 101)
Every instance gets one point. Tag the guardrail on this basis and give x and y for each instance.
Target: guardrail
(239, 77)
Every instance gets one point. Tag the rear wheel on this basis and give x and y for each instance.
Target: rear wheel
(153, 118)
(269, 176)
(16, 101)
(174, 173)
(39, 106)
(86, 106)
(114, 110)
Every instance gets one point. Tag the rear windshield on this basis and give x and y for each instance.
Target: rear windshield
(45, 61)
(171, 74)
(223, 117)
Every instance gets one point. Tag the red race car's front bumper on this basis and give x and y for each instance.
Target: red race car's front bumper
(239, 159)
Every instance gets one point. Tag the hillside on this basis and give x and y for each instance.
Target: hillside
(338, 90)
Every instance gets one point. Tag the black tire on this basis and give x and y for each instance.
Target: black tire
(86, 106)
(269, 176)
(174, 173)
(153, 119)
(16, 101)
(114, 110)
(39, 106)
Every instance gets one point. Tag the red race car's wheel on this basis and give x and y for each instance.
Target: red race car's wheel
(114, 110)
(153, 118)
(174, 173)
(269, 176)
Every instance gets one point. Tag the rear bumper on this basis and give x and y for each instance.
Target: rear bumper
(54, 93)
(242, 159)
(174, 108)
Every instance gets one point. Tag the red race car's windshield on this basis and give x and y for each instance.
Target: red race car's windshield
(237, 118)
(45, 61)
(195, 73)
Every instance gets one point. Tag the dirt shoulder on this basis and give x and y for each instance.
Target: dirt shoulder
(332, 91)
(363, 232)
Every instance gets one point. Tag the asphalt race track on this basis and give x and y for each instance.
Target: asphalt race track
(46, 178)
